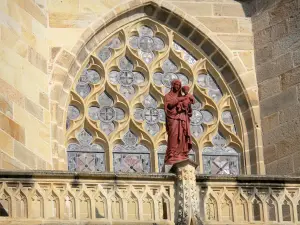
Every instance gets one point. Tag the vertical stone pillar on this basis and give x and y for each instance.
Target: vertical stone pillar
(187, 205)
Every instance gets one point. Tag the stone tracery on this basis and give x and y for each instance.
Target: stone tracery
(133, 70)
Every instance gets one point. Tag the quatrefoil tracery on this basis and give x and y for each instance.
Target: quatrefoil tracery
(150, 114)
(139, 63)
(126, 77)
(146, 43)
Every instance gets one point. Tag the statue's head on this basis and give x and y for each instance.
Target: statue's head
(185, 89)
(176, 85)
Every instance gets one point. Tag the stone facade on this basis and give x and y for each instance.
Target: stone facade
(253, 45)
(276, 42)
(35, 32)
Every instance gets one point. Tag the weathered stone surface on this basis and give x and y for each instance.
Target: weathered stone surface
(283, 10)
(9, 92)
(237, 42)
(37, 60)
(6, 143)
(44, 100)
(279, 101)
(195, 8)
(285, 165)
(296, 57)
(34, 109)
(248, 59)
(270, 154)
(270, 122)
(237, 10)
(290, 78)
(6, 106)
(274, 68)
(220, 25)
(286, 44)
(269, 87)
(12, 128)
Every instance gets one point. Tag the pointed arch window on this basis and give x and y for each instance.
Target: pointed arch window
(116, 105)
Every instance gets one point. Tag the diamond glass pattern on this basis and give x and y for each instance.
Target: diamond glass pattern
(131, 157)
(126, 78)
(220, 159)
(85, 156)
(169, 74)
(206, 81)
(106, 52)
(199, 117)
(161, 152)
(150, 114)
(87, 77)
(146, 43)
(186, 56)
(106, 113)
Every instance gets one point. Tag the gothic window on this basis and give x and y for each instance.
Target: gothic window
(116, 108)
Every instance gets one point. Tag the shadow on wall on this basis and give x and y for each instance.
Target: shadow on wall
(276, 31)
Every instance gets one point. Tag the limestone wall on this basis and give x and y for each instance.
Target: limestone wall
(276, 27)
(32, 33)
(24, 107)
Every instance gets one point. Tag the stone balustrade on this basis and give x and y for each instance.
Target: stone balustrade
(50, 197)
(249, 199)
(44, 197)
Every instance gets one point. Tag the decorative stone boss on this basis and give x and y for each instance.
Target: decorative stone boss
(178, 113)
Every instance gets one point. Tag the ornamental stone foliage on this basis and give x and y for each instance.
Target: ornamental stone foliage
(118, 97)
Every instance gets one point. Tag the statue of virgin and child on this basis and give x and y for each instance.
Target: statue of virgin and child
(178, 110)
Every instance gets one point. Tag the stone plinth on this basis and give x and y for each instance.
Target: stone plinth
(186, 200)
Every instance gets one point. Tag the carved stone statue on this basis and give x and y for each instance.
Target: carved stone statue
(178, 112)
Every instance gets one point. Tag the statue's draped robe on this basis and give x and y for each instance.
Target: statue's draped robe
(179, 139)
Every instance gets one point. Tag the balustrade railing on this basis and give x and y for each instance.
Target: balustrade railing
(49, 197)
(70, 198)
(249, 199)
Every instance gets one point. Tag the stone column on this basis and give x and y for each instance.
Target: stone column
(187, 205)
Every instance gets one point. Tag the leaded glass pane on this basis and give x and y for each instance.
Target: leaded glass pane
(105, 53)
(126, 78)
(187, 56)
(169, 74)
(220, 159)
(228, 119)
(85, 156)
(150, 114)
(146, 43)
(106, 113)
(206, 81)
(131, 156)
(73, 112)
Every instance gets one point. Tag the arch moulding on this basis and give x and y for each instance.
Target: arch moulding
(68, 63)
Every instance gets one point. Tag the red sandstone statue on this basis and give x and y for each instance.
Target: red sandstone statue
(178, 112)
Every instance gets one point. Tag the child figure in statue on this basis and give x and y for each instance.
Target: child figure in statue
(184, 108)
(187, 102)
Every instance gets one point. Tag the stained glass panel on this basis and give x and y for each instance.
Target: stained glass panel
(220, 159)
(150, 114)
(123, 87)
(85, 156)
(131, 156)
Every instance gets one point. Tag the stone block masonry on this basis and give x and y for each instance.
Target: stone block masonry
(276, 43)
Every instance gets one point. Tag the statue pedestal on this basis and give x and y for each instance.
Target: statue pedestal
(187, 195)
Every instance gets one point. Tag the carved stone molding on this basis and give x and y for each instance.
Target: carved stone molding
(186, 197)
